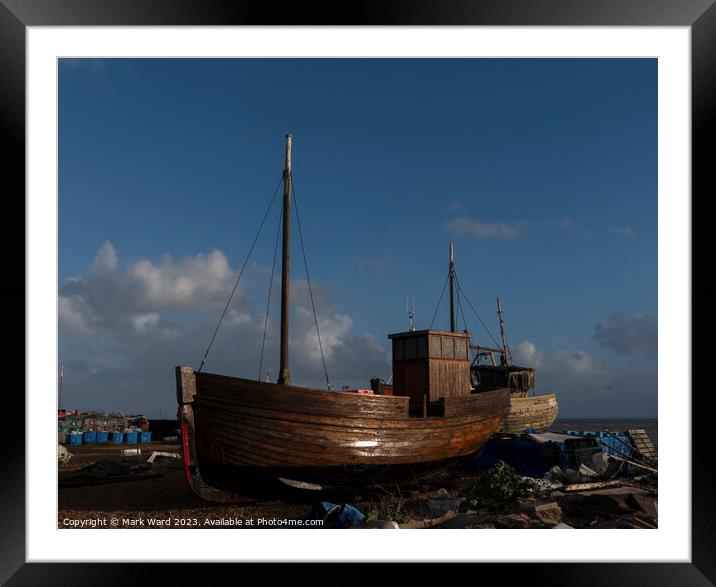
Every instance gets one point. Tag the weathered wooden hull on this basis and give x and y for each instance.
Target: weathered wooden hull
(239, 429)
(538, 412)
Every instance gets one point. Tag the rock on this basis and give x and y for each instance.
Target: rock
(555, 475)
(441, 505)
(587, 472)
(562, 526)
(63, 455)
(442, 491)
(571, 476)
(599, 463)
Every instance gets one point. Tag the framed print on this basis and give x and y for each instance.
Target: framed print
(474, 328)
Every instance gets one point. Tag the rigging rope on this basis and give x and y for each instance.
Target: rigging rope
(459, 305)
(308, 279)
(268, 301)
(459, 288)
(439, 301)
(233, 291)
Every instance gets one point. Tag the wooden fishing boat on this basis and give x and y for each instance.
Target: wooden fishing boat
(536, 412)
(237, 430)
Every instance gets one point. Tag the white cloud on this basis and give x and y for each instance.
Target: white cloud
(106, 258)
(123, 329)
(625, 334)
(465, 226)
(192, 282)
(590, 387)
(144, 321)
(526, 353)
(567, 362)
(574, 362)
(75, 314)
(333, 329)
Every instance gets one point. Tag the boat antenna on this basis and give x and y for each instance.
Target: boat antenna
(411, 314)
(505, 349)
(284, 377)
(452, 289)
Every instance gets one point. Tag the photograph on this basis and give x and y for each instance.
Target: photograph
(358, 293)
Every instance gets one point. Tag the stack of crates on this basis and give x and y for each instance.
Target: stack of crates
(73, 438)
(618, 447)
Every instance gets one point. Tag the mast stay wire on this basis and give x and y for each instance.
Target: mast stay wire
(308, 279)
(442, 293)
(268, 301)
(459, 288)
(243, 267)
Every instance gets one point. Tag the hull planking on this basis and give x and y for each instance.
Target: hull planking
(239, 430)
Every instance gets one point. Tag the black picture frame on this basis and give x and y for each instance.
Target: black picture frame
(699, 15)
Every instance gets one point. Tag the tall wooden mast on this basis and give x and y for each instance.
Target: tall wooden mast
(452, 289)
(502, 332)
(284, 377)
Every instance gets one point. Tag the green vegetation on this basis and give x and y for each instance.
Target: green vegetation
(500, 484)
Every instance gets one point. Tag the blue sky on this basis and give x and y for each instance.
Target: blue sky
(542, 171)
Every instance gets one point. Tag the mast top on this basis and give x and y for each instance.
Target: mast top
(288, 153)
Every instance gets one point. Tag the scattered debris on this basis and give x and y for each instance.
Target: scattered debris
(603, 502)
(335, 516)
(63, 455)
(430, 523)
(443, 504)
(549, 512)
(131, 452)
(301, 484)
(156, 453)
(586, 471)
(106, 471)
(641, 441)
(588, 486)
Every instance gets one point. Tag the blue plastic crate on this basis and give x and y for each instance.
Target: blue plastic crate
(144, 437)
(89, 437)
(117, 437)
(102, 436)
(130, 437)
(613, 447)
(73, 439)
